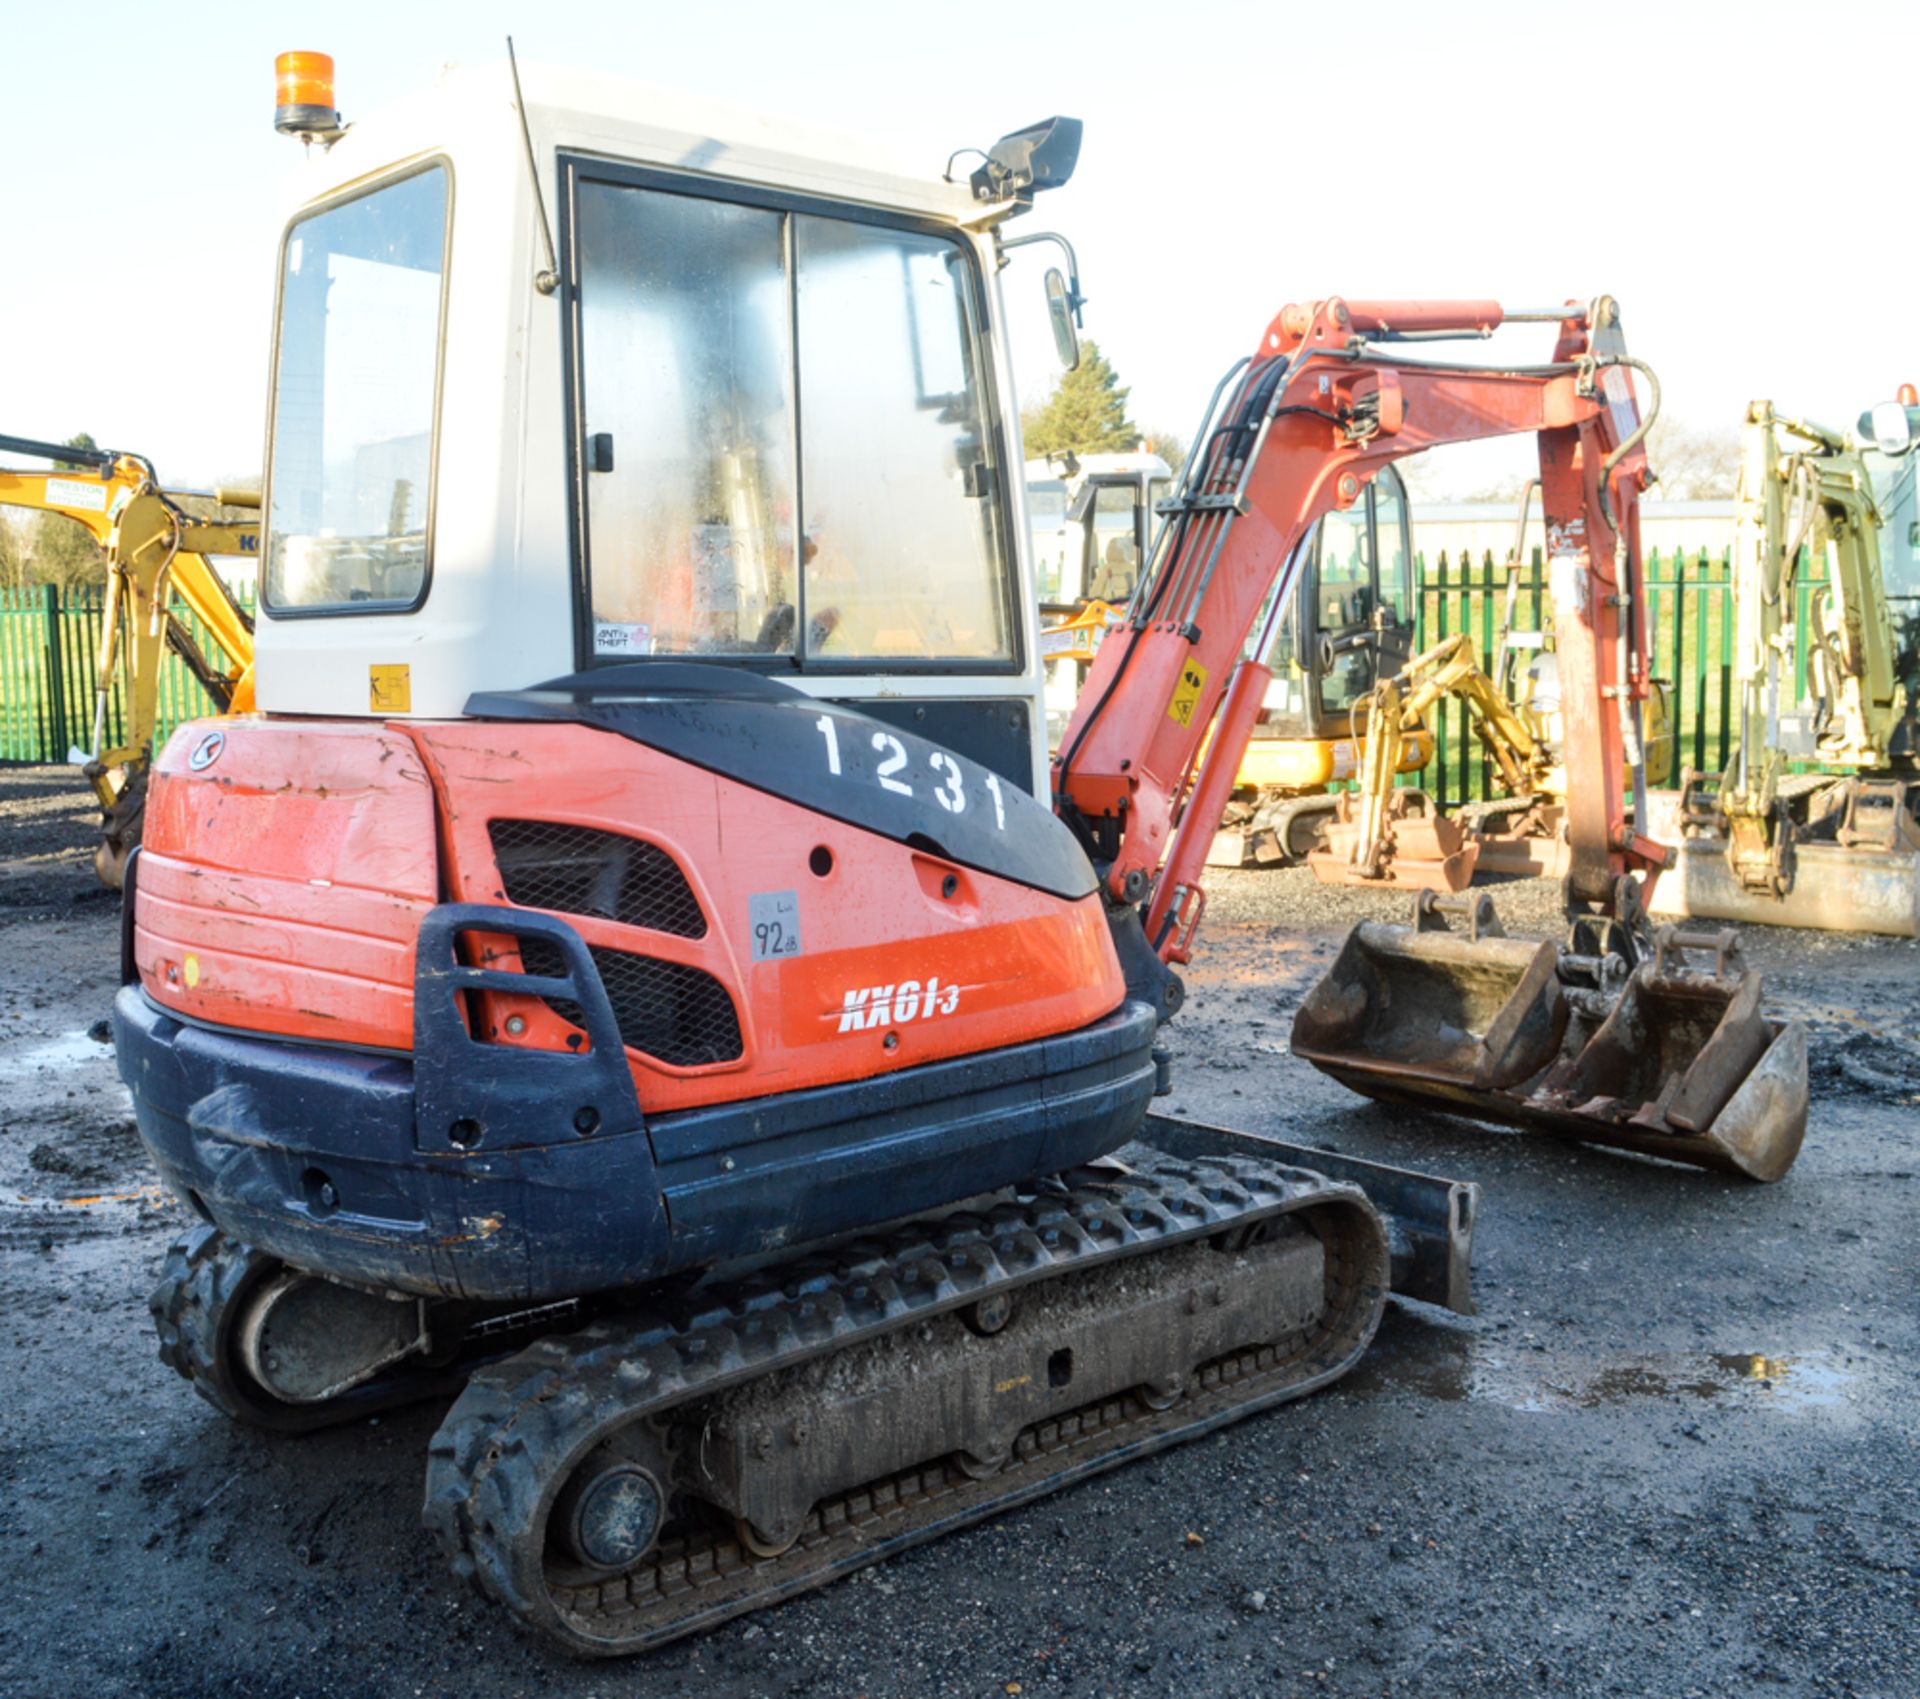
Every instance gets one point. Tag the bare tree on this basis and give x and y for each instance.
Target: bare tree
(13, 553)
(1693, 462)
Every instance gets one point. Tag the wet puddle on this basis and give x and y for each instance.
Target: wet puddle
(1456, 1367)
(66, 1051)
(1807, 1381)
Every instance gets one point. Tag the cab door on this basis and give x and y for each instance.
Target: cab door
(1113, 539)
(1356, 616)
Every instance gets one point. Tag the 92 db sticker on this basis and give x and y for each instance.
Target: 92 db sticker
(1193, 680)
(773, 917)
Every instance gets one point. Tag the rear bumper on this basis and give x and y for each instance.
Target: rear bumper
(337, 1161)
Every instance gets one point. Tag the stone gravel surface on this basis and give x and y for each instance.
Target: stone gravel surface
(1677, 1452)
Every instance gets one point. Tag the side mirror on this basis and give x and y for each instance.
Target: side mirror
(1891, 426)
(1066, 339)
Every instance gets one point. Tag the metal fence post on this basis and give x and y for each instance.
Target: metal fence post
(1440, 716)
(55, 748)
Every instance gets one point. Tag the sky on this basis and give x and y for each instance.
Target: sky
(1736, 174)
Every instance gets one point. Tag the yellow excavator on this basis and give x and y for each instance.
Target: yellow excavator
(1838, 848)
(155, 550)
(1382, 834)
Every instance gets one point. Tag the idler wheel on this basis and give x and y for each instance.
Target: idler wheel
(609, 1517)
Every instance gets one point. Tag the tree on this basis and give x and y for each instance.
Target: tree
(1086, 413)
(59, 550)
(1693, 462)
(82, 439)
(13, 553)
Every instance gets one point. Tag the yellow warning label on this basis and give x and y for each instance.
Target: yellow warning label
(389, 690)
(1193, 680)
(193, 971)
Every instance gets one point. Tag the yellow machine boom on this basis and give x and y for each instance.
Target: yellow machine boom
(1838, 849)
(154, 551)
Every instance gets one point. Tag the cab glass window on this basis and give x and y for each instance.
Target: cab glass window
(903, 558)
(1388, 496)
(356, 383)
(1345, 602)
(1046, 526)
(783, 436)
(689, 407)
(1114, 543)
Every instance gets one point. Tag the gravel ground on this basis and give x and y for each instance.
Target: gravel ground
(1677, 1452)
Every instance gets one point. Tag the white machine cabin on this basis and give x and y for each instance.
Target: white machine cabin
(766, 417)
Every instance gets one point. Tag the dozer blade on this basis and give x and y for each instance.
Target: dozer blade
(1675, 1062)
(1528, 845)
(1834, 889)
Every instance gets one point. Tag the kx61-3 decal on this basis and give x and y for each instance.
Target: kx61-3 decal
(890, 1005)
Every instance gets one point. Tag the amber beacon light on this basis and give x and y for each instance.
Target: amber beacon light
(303, 96)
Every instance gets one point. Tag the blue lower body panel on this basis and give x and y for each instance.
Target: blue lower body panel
(320, 1157)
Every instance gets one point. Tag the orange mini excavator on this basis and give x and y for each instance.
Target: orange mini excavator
(625, 966)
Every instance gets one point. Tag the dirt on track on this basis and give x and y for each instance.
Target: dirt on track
(1676, 1453)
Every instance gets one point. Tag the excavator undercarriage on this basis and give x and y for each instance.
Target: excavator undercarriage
(646, 1469)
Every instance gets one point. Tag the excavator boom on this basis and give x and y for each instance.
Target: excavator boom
(1564, 1041)
(1295, 432)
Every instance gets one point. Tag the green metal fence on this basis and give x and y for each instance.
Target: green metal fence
(49, 645)
(49, 639)
(1692, 651)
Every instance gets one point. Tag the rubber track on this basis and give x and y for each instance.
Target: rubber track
(204, 1279)
(523, 1424)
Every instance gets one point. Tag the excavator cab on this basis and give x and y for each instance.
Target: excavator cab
(1353, 618)
(1090, 526)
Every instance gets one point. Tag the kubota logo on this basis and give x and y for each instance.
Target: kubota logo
(889, 1005)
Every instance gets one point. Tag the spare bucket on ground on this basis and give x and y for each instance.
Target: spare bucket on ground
(1667, 1059)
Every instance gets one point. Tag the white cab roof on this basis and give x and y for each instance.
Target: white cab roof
(589, 112)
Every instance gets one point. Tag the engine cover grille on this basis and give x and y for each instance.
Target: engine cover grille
(677, 1014)
(548, 864)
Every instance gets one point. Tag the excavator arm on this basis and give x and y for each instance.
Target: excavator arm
(1819, 499)
(1615, 1037)
(1294, 432)
(155, 551)
(1838, 849)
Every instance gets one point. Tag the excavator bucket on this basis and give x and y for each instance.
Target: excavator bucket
(1670, 1060)
(1420, 848)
